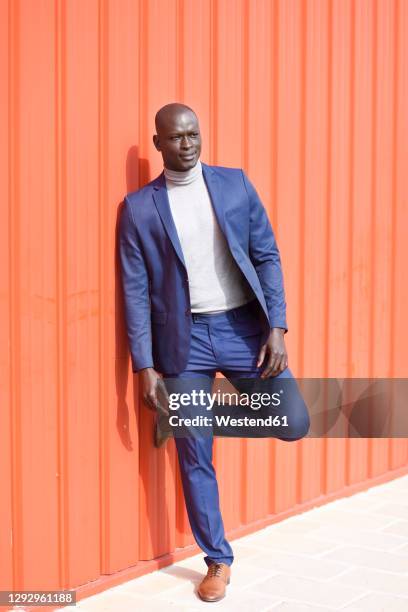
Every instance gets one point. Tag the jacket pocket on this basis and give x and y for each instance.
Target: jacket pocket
(159, 318)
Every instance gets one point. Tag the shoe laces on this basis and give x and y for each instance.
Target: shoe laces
(215, 569)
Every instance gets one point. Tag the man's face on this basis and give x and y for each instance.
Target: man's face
(179, 140)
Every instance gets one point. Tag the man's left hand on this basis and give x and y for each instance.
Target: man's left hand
(275, 349)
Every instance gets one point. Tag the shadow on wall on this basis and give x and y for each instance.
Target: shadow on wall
(157, 503)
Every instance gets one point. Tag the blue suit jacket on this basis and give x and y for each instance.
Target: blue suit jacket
(154, 274)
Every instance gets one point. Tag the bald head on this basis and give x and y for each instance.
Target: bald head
(169, 112)
(178, 136)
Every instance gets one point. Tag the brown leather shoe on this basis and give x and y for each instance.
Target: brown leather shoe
(212, 587)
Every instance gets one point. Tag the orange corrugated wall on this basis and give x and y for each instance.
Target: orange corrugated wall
(311, 98)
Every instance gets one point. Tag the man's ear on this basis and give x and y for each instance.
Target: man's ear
(156, 141)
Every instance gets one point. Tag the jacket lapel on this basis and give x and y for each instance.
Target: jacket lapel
(162, 203)
(161, 200)
(212, 181)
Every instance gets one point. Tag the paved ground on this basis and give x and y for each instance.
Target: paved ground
(351, 554)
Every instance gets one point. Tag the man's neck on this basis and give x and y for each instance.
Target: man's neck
(183, 177)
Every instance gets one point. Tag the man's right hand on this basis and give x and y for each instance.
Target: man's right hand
(154, 391)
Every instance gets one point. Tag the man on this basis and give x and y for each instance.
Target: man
(203, 292)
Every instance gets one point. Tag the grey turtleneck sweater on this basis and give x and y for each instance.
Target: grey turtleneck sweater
(216, 283)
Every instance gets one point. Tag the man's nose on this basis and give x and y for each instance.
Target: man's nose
(185, 142)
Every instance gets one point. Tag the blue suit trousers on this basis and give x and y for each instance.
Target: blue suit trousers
(227, 342)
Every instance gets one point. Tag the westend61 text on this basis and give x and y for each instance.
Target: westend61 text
(228, 421)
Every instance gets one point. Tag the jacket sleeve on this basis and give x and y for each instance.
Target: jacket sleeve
(265, 256)
(135, 283)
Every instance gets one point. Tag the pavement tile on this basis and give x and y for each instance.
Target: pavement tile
(378, 603)
(114, 601)
(356, 520)
(311, 592)
(290, 606)
(245, 574)
(360, 502)
(397, 528)
(361, 537)
(290, 543)
(401, 550)
(355, 555)
(235, 599)
(195, 563)
(182, 573)
(295, 524)
(299, 565)
(155, 582)
(374, 580)
(392, 510)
